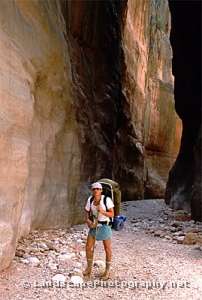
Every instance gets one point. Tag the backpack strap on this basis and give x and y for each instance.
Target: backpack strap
(105, 203)
(91, 200)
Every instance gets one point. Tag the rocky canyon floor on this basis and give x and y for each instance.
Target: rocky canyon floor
(157, 255)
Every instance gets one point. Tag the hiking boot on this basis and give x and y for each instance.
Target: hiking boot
(106, 273)
(88, 270)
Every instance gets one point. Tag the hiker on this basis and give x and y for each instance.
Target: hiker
(99, 227)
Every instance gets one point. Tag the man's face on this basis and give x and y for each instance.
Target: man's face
(96, 192)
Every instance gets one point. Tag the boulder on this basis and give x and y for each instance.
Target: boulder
(192, 238)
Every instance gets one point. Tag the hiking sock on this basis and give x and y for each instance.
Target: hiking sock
(106, 273)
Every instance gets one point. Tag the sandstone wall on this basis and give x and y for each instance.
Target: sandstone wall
(39, 153)
(149, 145)
(123, 84)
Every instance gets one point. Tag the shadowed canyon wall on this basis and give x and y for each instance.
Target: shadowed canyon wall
(124, 89)
(184, 187)
(86, 91)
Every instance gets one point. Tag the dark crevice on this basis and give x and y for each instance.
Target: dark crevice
(184, 184)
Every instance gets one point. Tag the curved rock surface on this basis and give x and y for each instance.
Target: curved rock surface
(39, 152)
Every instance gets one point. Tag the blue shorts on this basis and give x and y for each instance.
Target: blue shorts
(104, 232)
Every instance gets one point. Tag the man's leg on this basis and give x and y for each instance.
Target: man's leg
(89, 254)
(108, 251)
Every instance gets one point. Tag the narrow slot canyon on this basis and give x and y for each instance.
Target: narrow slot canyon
(89, 90)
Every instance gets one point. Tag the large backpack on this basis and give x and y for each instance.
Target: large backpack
(111, 189)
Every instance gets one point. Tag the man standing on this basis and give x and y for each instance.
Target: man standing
(99, 228)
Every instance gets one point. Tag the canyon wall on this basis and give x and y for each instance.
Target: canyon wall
(148, 142)
(39, 152)
(123, 84)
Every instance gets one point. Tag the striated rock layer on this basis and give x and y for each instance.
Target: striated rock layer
(148, 140)
(39, 152)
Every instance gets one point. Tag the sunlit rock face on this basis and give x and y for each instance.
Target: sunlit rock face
(39, 153)
(149, 142)
(184, 187)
